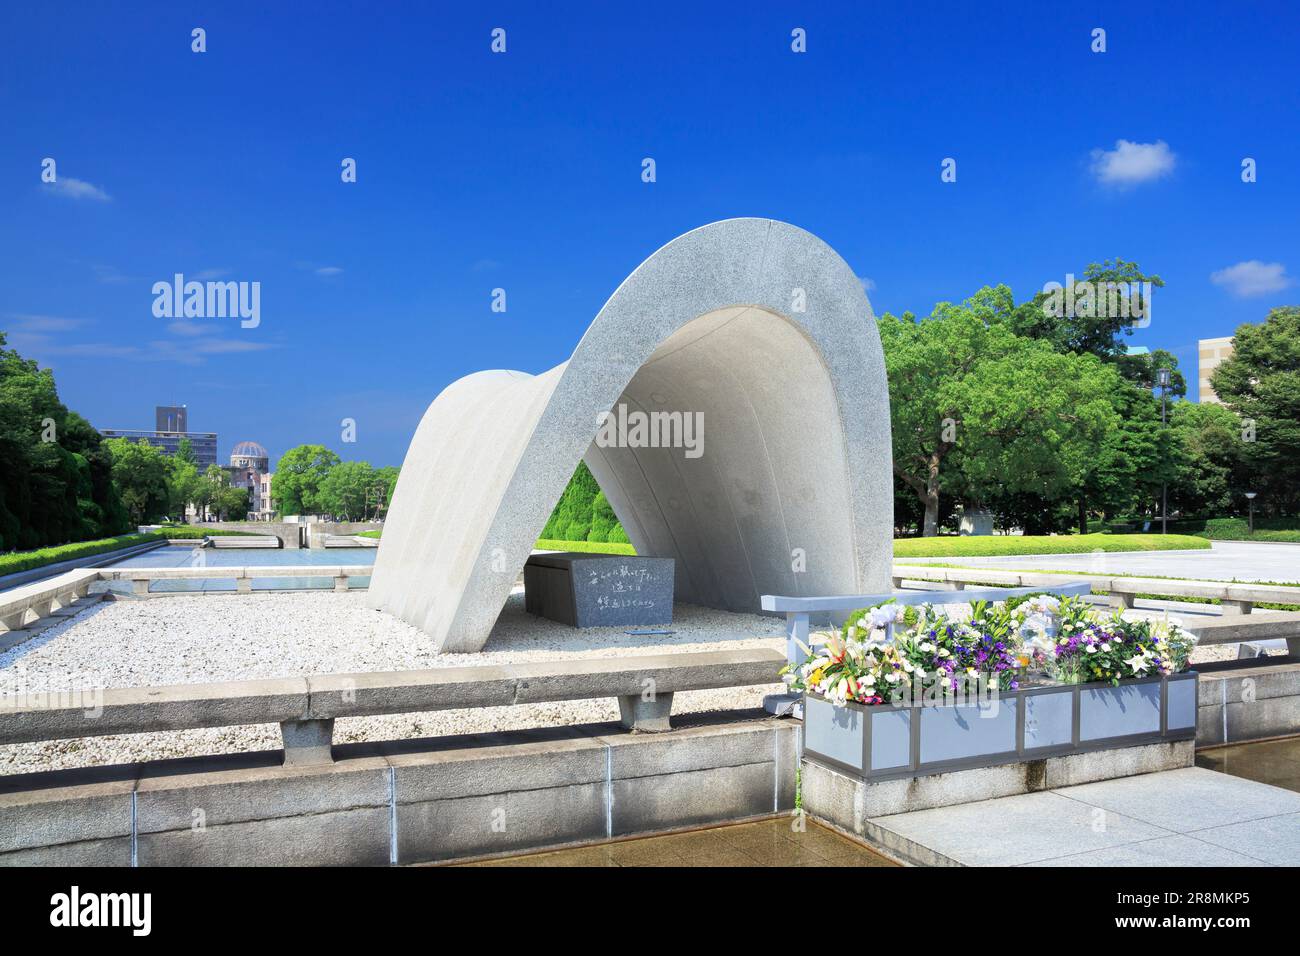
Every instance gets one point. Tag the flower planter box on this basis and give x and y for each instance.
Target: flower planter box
(890, 741)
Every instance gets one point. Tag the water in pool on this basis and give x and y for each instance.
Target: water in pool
(184, 556)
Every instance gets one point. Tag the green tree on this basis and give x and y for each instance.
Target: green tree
(1097, 324)
(140, 475)
(1260, 381)
(296, 484)
(232, 502)
(185, 452)
(385, 484)
(55, 481)
(184, 486)
(347, 489)
(982, 413)
(1210, 464)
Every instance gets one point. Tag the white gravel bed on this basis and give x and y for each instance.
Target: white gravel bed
(200, 638)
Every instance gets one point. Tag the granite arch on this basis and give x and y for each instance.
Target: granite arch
(754, 324)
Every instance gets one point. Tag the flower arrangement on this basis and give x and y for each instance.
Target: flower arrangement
(1091, 647)
(882, 652)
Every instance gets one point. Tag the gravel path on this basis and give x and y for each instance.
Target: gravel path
(195, 639)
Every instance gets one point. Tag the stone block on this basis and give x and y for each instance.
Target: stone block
(500, 822)
(51, 816)
(357, 837)
(1094, 765)
(695, 748)
(1263, 717)
(452, 774)
(692, 798)
(599, 590)
(112, 852)
(646, 715)
(307, 742)
(168, 800)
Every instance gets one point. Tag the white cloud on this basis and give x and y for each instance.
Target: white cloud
(1131, 163)
(77, 189)
(328, 271)
(42, 324)
(110, 274)
(868, 285)
(1252, 277)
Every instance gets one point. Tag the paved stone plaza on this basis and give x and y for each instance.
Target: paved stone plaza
(1189, 817)
(1225, 561)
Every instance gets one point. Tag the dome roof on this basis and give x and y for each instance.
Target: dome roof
(248, 449)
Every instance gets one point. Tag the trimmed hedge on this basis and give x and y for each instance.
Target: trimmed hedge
(1238, 529)
(26, 560)
(590, 547)
(998, 545)
(189, 531)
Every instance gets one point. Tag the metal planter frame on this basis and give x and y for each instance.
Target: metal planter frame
(1102, 716)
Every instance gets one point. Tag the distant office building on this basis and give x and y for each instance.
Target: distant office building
(1211, 353)
(170, 418)
(172, 423)
(250, 468)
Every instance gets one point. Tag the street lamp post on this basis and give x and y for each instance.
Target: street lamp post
(1250, 497)
(1162, 378)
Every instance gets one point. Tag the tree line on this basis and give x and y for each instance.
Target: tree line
(1047, 420)
(61, 481)
(311, 479)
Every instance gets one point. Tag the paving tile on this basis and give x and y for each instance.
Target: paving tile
(727, 856)
(1192, 798)
(1015, 830)
(1174, 850)
(1274, 840)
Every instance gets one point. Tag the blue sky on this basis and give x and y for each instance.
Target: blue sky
(522, 171)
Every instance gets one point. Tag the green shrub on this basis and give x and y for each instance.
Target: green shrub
(591, 547)
(603, 520)
(187, 531)
(26, 560)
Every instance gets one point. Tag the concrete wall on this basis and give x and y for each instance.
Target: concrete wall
(289, 534)
(318, 531)
(1245, 701)
(404, 802)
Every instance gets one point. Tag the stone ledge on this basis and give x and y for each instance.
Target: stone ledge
(851, 804)
(548, 786)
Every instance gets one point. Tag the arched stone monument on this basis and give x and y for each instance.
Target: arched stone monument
(757, 326)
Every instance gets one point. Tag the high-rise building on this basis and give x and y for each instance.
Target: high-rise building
(171, 429)
(170, 418)
(1211, 353)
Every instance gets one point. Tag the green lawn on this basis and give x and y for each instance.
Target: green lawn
(970, 547)
(1000, 545)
